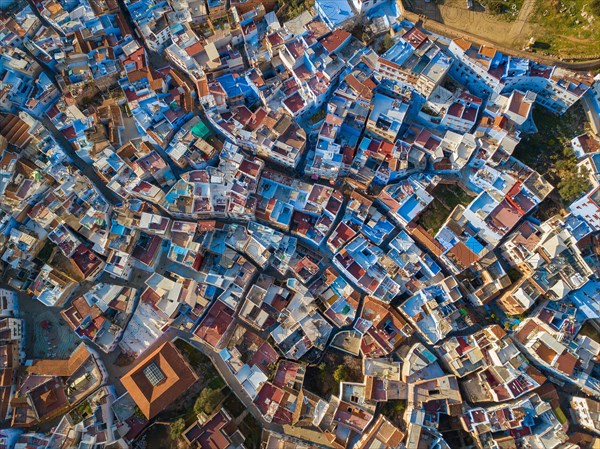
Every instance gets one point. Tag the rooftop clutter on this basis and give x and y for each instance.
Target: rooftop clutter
(341, 237)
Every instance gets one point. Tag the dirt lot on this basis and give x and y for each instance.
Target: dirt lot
(511, 29)
(561, 28)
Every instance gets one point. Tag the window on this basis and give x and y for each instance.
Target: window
(154, 374)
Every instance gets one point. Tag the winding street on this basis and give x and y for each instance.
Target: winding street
(84, 167)
(138, 277)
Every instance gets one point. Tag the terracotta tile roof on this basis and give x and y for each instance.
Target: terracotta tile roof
(535, 374)
(462, 43)
(486, 51)
(361, 89)
(518, 105)
(335, 40)
(462, 255)
(194, 49)
(213, 434)
(566, 363)
(215, 324)
(15, 130)
(529, 328)
(415, 37)
(546, 353)
(419, 233)
(61, 368)
(177, 375)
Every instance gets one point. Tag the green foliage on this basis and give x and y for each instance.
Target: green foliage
(508, 7)
(318, 116)
(46, 251)
(207, 401)
(198, 360)
(176, 428)
(138, 413)
(233, 405)
(293, 8)
(566, 28)
(573, 180)
(394, 411)
(549, 152)
(252, 430)
(446, 198)
(386, 43)
(494, 7)
(340, 374)
(216, 383)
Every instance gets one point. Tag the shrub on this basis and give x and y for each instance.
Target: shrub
(207, 401)
(176, 428)
(340, 374)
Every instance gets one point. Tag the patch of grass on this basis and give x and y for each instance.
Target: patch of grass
(386, 43)
(569, 27)
(207, 401)
(340, 374)
(157, 437)
(216, 383)
(446, 198)
(317, 116)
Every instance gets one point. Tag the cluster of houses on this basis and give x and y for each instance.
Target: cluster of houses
(210, 173)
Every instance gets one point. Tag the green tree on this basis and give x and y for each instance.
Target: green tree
(296, 7)
(394, 410)
(386, 43)
(340, 373)
(176, 428)
(207, 401)
(573, 180)
(595, 7)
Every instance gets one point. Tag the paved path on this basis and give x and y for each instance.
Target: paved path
(86, 168)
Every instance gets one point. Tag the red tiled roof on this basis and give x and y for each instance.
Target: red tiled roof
(215, 324)
(194, 49)
(178, 378)
(333, 41)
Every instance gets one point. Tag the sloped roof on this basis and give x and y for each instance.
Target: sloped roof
(61, 368)
(178, 377)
